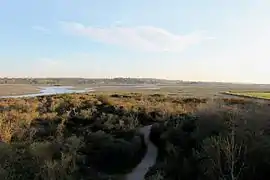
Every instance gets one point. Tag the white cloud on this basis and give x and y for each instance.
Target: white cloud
(41, 29)
(145, 38)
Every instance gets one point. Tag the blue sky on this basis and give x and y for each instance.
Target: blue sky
(206, 40)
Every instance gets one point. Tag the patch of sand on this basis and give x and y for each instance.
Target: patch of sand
(17, 89)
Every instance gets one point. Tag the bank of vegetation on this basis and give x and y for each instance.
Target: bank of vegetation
(264, 95)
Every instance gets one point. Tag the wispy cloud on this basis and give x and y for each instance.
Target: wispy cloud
(41, 29)
(145, 38)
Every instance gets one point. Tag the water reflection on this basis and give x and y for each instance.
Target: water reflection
(45, 91)
(52, 90)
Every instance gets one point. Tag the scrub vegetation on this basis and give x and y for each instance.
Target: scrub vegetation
(94, 136)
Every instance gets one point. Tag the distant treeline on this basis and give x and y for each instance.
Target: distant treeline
(61, 81)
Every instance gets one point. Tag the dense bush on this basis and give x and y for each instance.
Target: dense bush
(218, 141)
(67, 137)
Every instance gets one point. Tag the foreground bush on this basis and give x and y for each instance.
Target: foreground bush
(67, 137)
(214, 142)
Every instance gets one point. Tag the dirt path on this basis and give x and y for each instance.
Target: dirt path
(148, 160)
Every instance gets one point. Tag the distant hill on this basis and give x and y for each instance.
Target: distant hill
(114, 81)
(61, 81)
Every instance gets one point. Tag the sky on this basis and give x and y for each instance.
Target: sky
(210, 40)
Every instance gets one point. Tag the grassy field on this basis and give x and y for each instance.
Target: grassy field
(252, 94)
(93, 136)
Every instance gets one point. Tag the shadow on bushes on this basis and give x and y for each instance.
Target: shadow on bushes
(113, 155)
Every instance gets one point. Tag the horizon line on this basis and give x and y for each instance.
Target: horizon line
(166, 79)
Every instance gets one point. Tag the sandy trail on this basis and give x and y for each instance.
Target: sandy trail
(148, 160)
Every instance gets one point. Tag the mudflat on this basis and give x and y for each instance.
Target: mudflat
(17, 89)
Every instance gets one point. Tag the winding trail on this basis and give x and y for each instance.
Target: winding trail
(149, 159)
